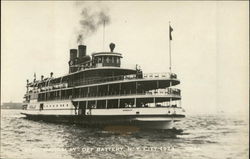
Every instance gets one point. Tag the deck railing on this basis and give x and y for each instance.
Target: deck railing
(125, 77)
(173, 92)
(110, 79)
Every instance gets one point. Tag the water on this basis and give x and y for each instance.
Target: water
(203, 137)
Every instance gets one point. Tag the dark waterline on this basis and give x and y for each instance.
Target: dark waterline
(202, 136)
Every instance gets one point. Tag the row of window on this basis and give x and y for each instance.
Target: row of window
(108, 59)
(58, 105)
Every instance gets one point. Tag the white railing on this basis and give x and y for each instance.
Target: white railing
(113, 78)
(160, 75)
(151, 76)
(169, 91)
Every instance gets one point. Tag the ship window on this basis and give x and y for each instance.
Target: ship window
(99, 60)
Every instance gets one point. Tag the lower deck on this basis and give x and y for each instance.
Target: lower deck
(150, 115)
(83, 109)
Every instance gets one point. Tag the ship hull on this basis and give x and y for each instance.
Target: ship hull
(147, 122)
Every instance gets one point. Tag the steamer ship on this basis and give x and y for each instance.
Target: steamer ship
(97, 91)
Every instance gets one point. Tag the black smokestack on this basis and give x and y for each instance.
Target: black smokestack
(81, 51)
(90, 22)
(73, 53)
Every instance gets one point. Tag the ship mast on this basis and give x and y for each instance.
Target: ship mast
(170, 39)
(170, 62)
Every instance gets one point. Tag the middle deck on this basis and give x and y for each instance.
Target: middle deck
(144, 85)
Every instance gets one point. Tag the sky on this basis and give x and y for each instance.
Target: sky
(209, 48)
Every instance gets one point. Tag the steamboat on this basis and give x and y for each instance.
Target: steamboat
(97, 91)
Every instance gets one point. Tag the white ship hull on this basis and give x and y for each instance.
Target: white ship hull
(65, 112)
(152, 122)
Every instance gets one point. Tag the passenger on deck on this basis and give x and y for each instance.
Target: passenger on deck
(126, 105)
(158, 105)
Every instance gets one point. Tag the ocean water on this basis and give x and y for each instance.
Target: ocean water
(199, 137)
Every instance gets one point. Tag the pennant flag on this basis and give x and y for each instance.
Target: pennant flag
(170, 32)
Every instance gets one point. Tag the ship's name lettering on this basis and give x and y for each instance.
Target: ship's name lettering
(127, 109)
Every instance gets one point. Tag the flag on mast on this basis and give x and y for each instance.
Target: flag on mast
(170, 32)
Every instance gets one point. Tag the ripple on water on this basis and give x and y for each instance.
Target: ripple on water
(203, 136)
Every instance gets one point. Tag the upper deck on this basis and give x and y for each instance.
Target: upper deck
(165, 80)
(90, 75)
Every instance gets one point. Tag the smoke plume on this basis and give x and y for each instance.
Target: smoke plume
(90, 22)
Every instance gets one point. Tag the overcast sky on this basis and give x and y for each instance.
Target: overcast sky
(209, 47)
